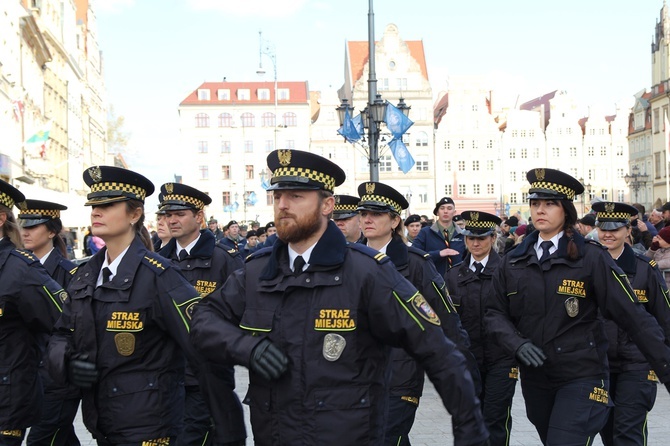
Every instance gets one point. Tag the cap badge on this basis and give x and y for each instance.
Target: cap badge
(337, 199)
(22, 205)
(474, 216)
(539, 173)
(169, 188)
(284, 157)
(609, 207)
(95, 173)
(370, 188)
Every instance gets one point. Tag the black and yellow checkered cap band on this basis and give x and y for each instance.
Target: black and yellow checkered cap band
(559, 188)
(182, 200)
(286, 173)
(613, 216)
(110, 189)
(483, 224)
(6, 200)
(379, 200)
(40, 213)
(345, 208)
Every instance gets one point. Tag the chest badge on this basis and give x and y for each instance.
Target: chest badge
(125, 343)
(572, 306)
(333, 346)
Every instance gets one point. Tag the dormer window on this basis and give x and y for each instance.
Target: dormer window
(203, 94)
(243, 94)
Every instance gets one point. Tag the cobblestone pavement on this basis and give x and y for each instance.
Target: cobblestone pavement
(433, 427)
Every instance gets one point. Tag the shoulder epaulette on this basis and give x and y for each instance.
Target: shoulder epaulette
(595, 242)
(418, 251)
(231, 251)
(378, 256)
(155, 262)
(456, 264)
(646, 259)
(26, 256)
(260, 253)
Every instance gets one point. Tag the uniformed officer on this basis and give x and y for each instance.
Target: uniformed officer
(345, 216)
(40, 228)
(206, 265)
(30, 303)
(549, 292)
(124, 332)
(313, 319)
(233, 239)
(380, 207)
(632, 382)
(443, 240)
(163, 235)
(470, 284)
(413, 226)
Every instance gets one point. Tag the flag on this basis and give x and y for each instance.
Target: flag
(396, 121)
(401, 155)
(265, 184)
(17, 105)
(348, 129)
(358, 124)
(235, 206)
(252, 199)
(37, 144)
(667, 137)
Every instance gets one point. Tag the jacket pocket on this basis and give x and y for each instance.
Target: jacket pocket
(343, 406)
(131, 400)
(257, 321)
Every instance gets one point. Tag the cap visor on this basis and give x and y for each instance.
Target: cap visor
(30, 222)
(609, 225)
(344, 216)
(98, 201)
(469, 233)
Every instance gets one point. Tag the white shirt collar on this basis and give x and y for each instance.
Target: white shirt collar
(188, 247)
(112, 266)
(554, 240)
(305, 256)
(483, 261)
(46, 256)
(383, 248)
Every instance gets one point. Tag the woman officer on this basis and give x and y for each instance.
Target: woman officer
(632, 382)
(470, 284)
(124, 331)
(549, 293)
(380, 206)
(30, 303)
(40, 228)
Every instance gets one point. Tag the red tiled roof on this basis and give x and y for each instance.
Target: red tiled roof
(298, 93)
(359, 55)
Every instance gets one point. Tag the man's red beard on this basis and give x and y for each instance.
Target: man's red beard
(297, 228)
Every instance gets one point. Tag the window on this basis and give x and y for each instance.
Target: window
(489, 145)
(421, 139)
(383, 84)
(474, 144)
(225, 146)
(269, 198)
(474, 107)
(263, 94)
(225, 172)
(202, 147)
(461, 189)
(591, 174)
(489, 164)
(590, 151)
(657, 121)
(223, 94)
(524, 197)
(248, 120)
(619, 150)
(225, 198)
(556, 152)
(515, 133)
(204, 172)
(620, 195)
(250, 171)
(385, 164)
(619, 174)
(524, 153)
(461, 144)
(536, 152)
(401, 83)
(203, 95)
(490, 189)
(448, 190)
(573, 152)
(243, 94)
(202, 120)
(512, 197)
(269, 145)
(248, 146)
(512, 153)
(225, 120)
(461, 166)
(290, 119)
(603, 150)
(531, 133)
(447, 145)
(289, 144)
(421, 164)
(283, 94)
(475, 165)
(475, 189)
(268, 120)
(604, 194)
(512, 176)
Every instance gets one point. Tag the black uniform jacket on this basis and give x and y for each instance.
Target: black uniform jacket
(415, 265)
(207, 267)
(652, 293)
(135, 328)
(469, 293)
(534, 302)
(335, 322)
(30, 304)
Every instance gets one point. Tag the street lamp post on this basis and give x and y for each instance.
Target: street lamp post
(375, 112)
(636, 179)
(265, 48)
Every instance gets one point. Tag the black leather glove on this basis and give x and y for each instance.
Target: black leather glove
(82, 373)
(268, 361)
(529, 354)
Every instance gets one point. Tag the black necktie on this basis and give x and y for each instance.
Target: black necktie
(478, 268)
(182, 254)
(298, 265)
(106, 274)
(545, 250)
